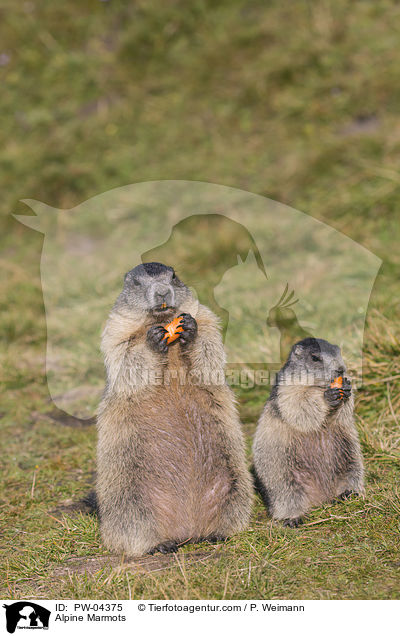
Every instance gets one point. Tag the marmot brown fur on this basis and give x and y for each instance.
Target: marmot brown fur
(306, 448)
(171, 463)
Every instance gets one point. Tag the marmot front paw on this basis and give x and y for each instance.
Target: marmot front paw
(189, 329)
(155, 339)
(346, 389)
(336, 396)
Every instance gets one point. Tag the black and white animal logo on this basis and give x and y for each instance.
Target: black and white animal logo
(26, 615)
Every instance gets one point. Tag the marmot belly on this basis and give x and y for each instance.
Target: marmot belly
(318, 461)
(189, 477)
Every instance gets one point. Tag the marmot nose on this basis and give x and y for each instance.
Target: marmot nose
(162, 298)
(163, 295)
(339, 371)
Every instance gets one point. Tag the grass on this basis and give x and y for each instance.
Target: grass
(298, 103)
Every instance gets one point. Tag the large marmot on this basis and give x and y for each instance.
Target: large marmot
(171, 463)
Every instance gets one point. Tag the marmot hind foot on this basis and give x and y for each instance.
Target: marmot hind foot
(165, 548)
(347, 494)
(292, 523)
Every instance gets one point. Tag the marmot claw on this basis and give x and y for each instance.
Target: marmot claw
(189, 329)
(155, 339)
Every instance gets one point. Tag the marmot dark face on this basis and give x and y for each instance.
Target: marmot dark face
(312, 361)
(155, 289)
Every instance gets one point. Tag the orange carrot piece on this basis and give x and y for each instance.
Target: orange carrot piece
(174, 329)
(337, 383)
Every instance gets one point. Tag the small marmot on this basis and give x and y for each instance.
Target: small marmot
(171, 463)
(306, 448)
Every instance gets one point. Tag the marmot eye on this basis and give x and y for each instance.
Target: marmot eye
(315, 358)
(136, 282)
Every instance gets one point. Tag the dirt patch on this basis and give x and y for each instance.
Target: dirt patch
(148, 563)
(73, 508)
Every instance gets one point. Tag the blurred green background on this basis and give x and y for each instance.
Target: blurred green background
(296, 101)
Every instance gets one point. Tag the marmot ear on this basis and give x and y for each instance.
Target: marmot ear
(298, 350)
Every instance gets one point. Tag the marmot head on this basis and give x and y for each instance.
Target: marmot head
(154, 289)
(313, 361)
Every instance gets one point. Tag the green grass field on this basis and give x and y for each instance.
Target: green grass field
(297, 102)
